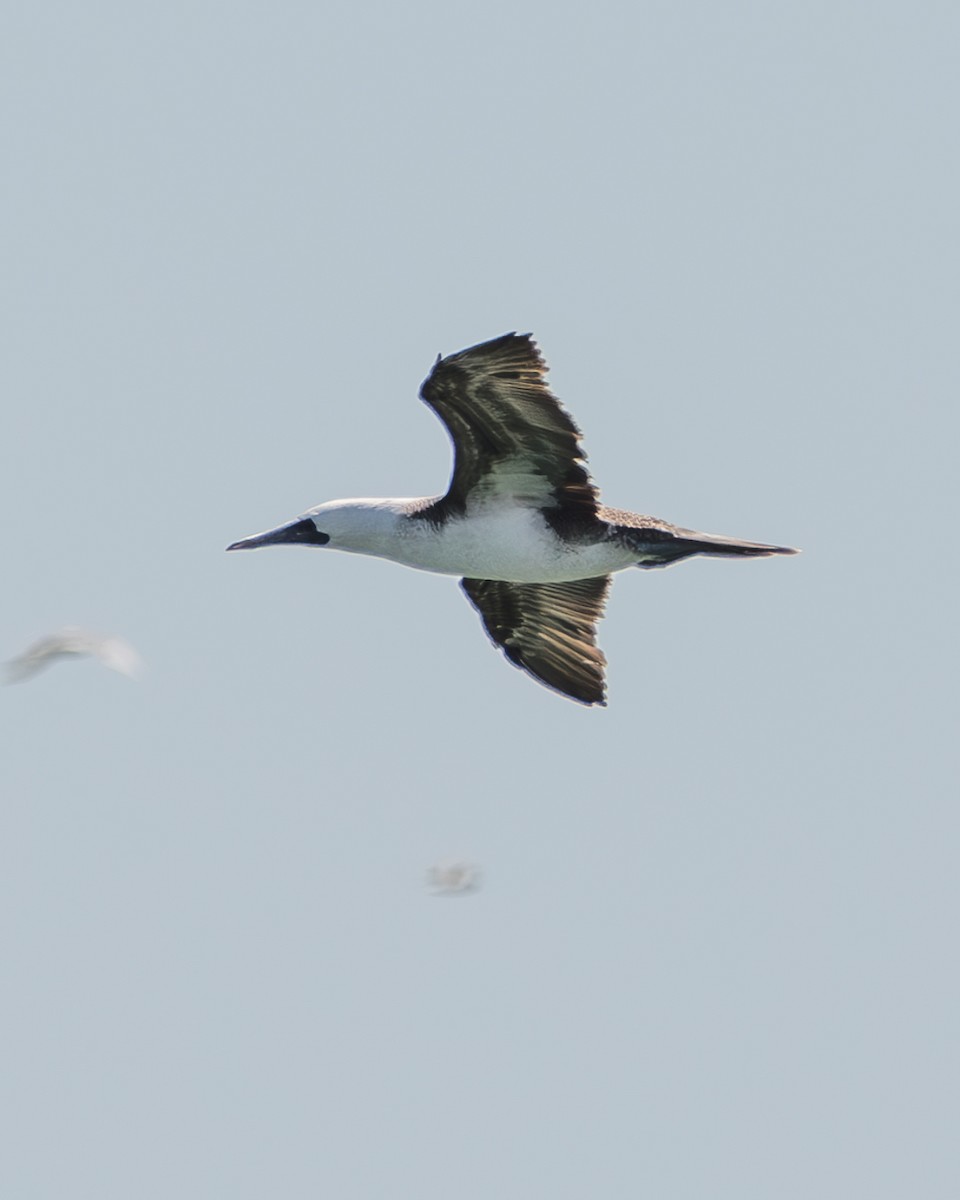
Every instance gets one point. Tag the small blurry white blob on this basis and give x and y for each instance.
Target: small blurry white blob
(454, 877)
(71, 642)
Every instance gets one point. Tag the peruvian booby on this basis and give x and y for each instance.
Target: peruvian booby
(521, 521)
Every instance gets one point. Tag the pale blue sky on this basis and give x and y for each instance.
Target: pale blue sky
(713, 956)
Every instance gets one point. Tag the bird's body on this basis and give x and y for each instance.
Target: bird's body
(521, 521)
(497, 541)
(517, 544)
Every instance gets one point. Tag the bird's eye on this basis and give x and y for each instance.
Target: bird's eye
(305, 531)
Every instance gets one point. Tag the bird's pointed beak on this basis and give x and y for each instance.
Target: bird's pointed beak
(302, 531)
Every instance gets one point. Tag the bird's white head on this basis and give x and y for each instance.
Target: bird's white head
(357, 525)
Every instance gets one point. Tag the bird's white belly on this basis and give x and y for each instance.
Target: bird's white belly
(515, 545)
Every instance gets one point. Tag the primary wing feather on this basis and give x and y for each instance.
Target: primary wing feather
(512, 439)
(548, 629)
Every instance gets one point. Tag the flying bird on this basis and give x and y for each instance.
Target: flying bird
(72, 642)
(454, 877)
(521, 521)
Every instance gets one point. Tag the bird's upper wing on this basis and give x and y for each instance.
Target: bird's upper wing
(548, 629)
(510, 435)
(117, 654)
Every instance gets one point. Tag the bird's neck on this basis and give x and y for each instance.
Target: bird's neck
(367, 526)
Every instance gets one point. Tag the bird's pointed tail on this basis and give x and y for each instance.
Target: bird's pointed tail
(725, 547)
(662, 545)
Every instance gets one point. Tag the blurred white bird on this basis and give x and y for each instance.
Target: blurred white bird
(72, 642)
(454, 877)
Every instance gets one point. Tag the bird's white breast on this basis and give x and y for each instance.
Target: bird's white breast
(512, 544)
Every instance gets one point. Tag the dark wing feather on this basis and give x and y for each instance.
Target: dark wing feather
(548, 629)
(511, 437)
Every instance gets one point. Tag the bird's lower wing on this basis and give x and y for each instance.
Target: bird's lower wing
(548, 629)
(31, 663)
